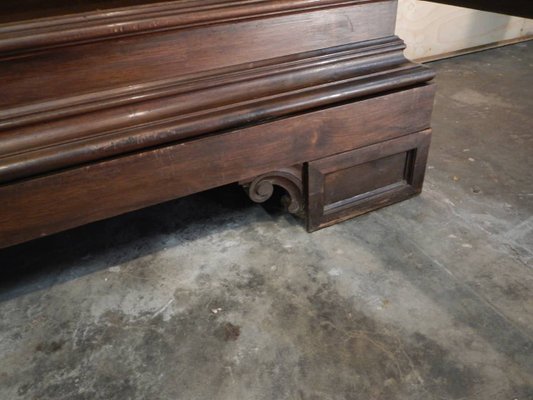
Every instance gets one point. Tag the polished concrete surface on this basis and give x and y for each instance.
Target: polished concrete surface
(212, 297)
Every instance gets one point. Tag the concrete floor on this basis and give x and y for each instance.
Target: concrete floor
(212, 297)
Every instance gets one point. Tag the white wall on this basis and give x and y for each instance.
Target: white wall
(432, 29)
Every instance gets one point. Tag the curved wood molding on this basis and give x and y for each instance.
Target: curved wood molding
(295, 71)
(88, 128)
(24, 36)
(261, 188)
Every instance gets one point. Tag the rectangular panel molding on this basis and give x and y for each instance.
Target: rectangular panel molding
(353, 183)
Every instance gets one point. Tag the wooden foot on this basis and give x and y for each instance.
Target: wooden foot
(342, 186)
(352, 183)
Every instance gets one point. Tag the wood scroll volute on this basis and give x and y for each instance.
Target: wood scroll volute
(261, 188)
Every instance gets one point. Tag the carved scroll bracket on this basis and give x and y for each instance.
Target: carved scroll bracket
(261, 188)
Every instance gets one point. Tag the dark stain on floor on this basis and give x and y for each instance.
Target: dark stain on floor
(228, 332)
(322, 343)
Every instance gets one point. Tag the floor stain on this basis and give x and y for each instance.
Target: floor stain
(49, 347)
(228, 332)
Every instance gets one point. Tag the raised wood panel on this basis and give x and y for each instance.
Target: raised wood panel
(59, 201)
(364, 178)
(433, 30)
(355, 182)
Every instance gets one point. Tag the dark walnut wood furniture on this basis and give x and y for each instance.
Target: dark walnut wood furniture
(110, 106)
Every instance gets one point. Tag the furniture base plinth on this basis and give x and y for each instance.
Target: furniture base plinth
(349, 184)
(343, 186)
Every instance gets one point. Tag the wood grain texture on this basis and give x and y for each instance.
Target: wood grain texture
(26, 10)
(70, 23)
(60, 201)
(126, 121)
(364, 177)
(137, 59)
(302, 68)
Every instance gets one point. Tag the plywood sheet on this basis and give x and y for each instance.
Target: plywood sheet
(432, 30)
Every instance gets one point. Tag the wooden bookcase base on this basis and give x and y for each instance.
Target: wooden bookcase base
(103, 113)
(341, 150)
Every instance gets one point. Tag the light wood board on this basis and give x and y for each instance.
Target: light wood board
(433, 30)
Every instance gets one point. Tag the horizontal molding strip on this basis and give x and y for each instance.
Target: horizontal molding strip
(101, 115)
(133, 94)
(23, 36)
(211, 121)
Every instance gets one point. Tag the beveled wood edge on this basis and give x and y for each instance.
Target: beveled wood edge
(23, 36)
